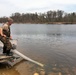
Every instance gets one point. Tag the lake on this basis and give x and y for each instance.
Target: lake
(52, 45)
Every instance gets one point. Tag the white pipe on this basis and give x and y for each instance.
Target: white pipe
(27, 58)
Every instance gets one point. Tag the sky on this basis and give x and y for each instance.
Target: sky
(7, 7)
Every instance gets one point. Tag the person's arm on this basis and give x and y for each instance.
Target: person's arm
(1, 32)
(4, 28)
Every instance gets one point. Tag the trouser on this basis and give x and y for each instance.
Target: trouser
(7, 44)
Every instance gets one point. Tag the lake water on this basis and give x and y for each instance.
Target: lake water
(52, 45)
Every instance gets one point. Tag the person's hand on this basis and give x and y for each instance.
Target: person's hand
(10, 37)
(4, 35)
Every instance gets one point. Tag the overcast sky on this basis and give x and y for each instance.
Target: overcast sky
(7, 7)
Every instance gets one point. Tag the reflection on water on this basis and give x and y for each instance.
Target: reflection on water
(52, 45)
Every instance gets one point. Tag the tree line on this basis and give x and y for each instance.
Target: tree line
(58, 16)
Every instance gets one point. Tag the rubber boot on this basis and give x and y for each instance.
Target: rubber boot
(8, 53)
(4, 50)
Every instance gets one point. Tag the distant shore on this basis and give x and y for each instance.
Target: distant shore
(61, 23)
(45, 23)
(48, 23)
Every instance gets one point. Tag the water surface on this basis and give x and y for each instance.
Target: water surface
(52, 45)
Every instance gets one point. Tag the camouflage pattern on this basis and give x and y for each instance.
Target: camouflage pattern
(7, 44)
(5, 40)
(6, 29)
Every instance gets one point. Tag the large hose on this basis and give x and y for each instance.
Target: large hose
(27, 58)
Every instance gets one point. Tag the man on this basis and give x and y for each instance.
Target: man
(5, 36)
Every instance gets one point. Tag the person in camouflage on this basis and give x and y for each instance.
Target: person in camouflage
(5, 36)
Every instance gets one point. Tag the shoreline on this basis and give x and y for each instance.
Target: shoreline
(65, 23)
(50, 23)
(61, 23)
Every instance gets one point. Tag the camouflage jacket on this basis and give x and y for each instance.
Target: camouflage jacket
(6, 29)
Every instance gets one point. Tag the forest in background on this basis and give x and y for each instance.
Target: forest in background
(49, 17)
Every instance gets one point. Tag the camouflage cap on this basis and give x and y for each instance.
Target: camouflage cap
(10, 20)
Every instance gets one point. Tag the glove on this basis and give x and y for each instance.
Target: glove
(13, 46)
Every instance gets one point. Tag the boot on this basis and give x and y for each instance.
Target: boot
(4, 50)
(8, 53)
